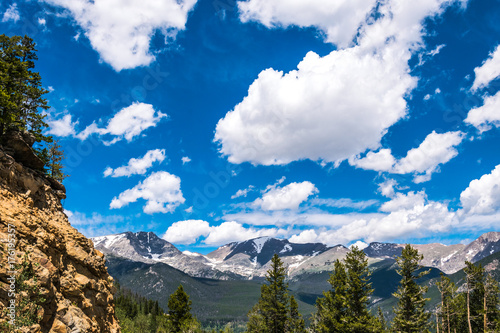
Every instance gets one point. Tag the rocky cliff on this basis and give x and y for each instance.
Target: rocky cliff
(51, 277)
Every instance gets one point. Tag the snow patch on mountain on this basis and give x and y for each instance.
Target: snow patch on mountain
(108, 241)
(259, 243)
(286, 248)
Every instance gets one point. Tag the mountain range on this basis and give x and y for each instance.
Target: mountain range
(250, 259)
(224, 284)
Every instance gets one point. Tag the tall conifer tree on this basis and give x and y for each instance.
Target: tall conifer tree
(410, 315)
(179, 309)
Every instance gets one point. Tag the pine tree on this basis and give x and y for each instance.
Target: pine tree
(21, 92)
(256, 321)
(381, 319)
(344, 308)
(474, 276)
(295, 322)
(179, 311)
(410, 316)
(491, 303)
(272, 308)
(359, 292)
(55, 157)
(446, 310)
(331, 309)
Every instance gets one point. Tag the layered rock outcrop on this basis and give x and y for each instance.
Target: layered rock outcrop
(60, 279)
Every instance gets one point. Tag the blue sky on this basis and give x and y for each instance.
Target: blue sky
(214, 121)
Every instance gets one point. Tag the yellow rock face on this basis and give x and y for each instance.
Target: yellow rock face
(69, 280)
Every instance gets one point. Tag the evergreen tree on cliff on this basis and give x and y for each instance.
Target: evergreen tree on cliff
(54, 163)
(22, 103)
(410, 314)
(21, 92)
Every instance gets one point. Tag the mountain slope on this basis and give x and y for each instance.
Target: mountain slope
(224, 300)
(147, 247)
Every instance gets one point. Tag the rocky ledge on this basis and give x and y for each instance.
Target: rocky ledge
(53, 275)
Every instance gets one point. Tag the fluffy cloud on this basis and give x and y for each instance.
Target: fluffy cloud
(436, 149)
(404, 201)
(424, 160)
(387, 188)
(483, 195)
(121, 31)
(339, 20)
(187, 232)
(191, 231)
(11, 14)
(185, 160)
(234, 232)
(161, 190)
(487, 115)
(126, 124)
(62, 127)
(422, 220)
(287, 197)
(489, 70)
(377, 161)
(318, 112)
(137, 166)
(333, 107)
(359, 244)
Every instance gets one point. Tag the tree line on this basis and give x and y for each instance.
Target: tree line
(347, 306)
(22, 103)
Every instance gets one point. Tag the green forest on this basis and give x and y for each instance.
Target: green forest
(346, 307)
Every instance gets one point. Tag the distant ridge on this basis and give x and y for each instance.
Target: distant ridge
(249, 259)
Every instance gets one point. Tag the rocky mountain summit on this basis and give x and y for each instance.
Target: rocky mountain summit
(61, 282)
(148, 248)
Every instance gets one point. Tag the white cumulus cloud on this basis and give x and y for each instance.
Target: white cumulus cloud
(187, 232)
(482, 197)
(421, 220)
(121, 31)
(435, 150)
(377, 161)
(11, 14)
(137, 166)
(62, 127)
(333, 107)
(319, 111)
(404, 201)
(234, 232)
(338, 19)
(487, 115)
(161, 190)
(423, 161)
(488, 71)
(126, 124)
(287, 197)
